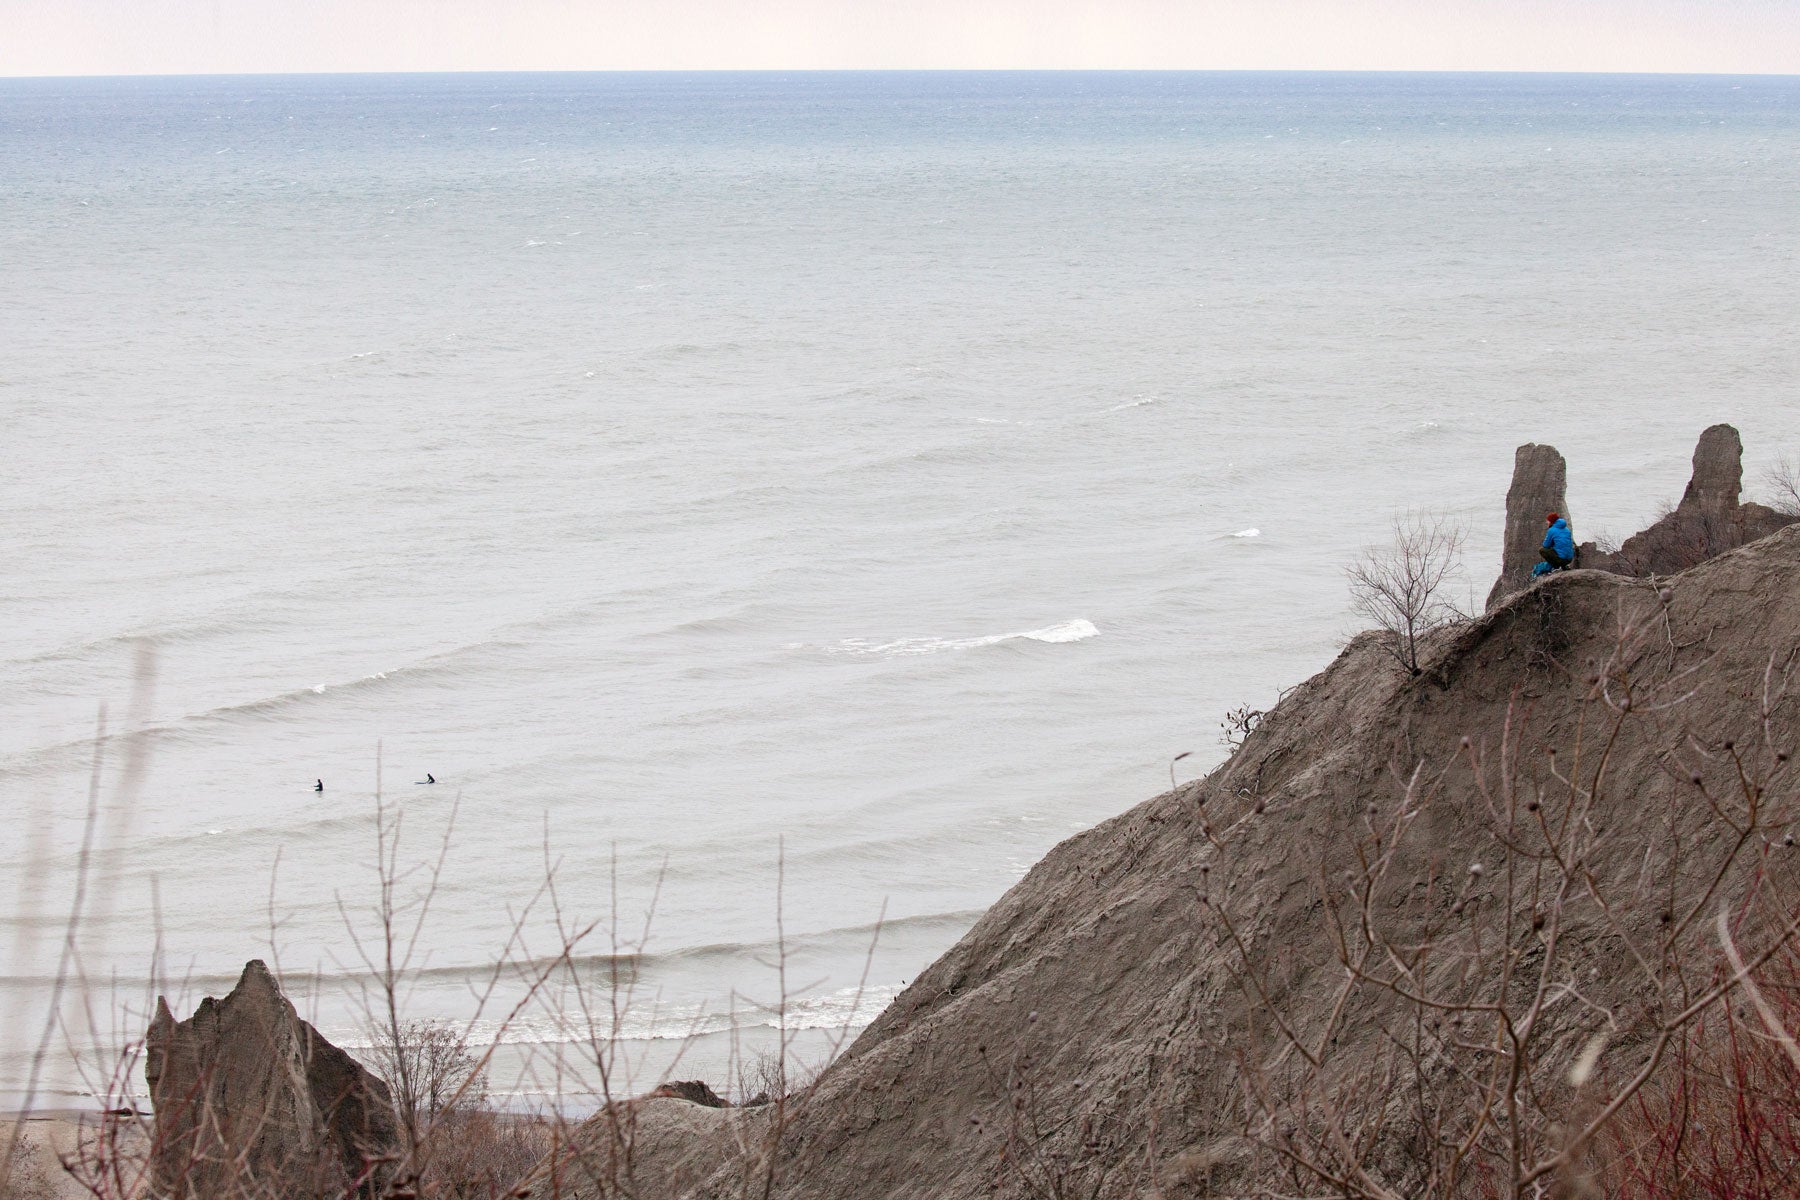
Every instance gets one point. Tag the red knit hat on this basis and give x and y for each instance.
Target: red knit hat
(1550, 519)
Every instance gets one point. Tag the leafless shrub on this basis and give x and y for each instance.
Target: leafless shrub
(1402, 589)
(1238, 725)
(481, 1154)
(1549, 633)
(430, 1071)
(1505, 1041)
(1725, 1123)
(1783, 482)
(761, 1079)
(1689, 537)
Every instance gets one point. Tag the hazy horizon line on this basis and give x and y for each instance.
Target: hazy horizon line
(911, 71)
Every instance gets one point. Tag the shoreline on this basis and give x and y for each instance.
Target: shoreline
(47, 1138)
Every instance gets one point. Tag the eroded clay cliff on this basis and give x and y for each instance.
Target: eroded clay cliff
(1192, 997)
(250, 1100)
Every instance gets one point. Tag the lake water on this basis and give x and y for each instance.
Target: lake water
(831, 489)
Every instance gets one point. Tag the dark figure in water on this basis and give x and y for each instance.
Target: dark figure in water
(1558, 550)
(318, 785)
(429, 778)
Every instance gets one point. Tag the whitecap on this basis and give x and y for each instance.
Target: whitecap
(1078, 630)
(1069, 631)
(1136, 402)
(1248, 533)
(847, 1008)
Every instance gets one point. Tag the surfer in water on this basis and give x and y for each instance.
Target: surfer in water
(429, 778)
(318, 785)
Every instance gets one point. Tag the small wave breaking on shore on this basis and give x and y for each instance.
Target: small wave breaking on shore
(849, 1009)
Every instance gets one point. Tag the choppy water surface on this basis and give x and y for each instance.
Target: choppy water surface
(874, 478)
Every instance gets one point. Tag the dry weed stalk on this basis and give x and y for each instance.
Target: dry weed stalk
(451, 1145)
(1504, 1052)
(1725, 1123)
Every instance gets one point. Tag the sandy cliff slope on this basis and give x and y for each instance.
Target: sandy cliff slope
(1420, 932)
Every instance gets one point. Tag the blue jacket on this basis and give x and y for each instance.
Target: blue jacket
(1559, 539)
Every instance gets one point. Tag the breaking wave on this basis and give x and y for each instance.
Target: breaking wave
(1078, 630)
(849, 1008)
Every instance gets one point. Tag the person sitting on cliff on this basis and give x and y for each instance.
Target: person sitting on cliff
(1558, 550)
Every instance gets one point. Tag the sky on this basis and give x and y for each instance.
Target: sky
(178, 37)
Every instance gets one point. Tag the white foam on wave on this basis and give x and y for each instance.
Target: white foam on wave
(1252, 532)
(1136, 402)
(1078, 630)
(1069, 631)
(849, 1008)
(319, 689)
